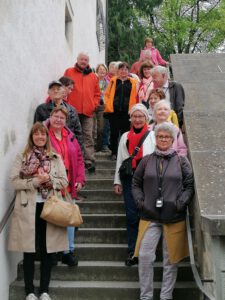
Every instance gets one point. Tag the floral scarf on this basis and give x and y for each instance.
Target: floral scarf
(37, 161)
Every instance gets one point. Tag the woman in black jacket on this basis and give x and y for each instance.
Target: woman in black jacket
(162, 188)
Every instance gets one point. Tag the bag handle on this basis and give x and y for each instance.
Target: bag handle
(140, 144)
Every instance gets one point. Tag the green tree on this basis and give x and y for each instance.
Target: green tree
(188, 26)
(127, 28)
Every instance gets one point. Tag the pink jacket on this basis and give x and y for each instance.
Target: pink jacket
(178, 144)
(155, 56)
(76, 170)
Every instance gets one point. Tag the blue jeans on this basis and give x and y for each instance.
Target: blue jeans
(132, 215)
(71, 237)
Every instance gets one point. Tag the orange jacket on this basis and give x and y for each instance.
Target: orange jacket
(85, 96)
(110, 93)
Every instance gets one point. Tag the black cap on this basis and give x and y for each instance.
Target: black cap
(54, 82)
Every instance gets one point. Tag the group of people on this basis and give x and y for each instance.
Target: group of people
(107, 110)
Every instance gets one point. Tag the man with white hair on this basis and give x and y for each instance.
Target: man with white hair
(174, 91)
(85, 97)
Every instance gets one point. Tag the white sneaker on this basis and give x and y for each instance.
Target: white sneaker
(31, 296)
(44, 296)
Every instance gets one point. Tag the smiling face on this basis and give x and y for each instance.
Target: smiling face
(123, 73)
(39, 138)
(162, 113)
(83, 61)
(101, 72)
(153, 99)
(147, 72)
(164, 140)
(57, 120)
(138, 119)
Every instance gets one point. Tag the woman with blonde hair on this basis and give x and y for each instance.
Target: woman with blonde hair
(37, 173)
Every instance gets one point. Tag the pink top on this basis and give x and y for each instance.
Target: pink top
(178, 145)
(155, 56)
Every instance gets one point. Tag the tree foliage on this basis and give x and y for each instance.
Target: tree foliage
(177, 26)
(127, 28)
(188, 26)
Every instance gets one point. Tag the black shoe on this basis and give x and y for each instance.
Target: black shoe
(69, 259)
(113, 157)
(131, 261)
(90, 167)
(54, 259)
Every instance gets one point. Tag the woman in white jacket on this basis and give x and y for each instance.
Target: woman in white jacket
(139, 118)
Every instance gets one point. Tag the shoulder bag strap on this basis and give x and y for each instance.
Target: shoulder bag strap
(139, 144)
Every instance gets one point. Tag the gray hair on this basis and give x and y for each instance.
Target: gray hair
(158, 104)
(168, 127)
(159, 69)
(83, 54)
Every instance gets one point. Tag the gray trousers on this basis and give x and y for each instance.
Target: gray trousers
(87, 129)
(147, 256)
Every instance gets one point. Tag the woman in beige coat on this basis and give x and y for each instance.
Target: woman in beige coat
(34, 175)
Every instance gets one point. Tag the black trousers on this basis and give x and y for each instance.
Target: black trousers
(45, 258)
(119, 123)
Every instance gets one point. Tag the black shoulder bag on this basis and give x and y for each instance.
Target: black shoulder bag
(125, 169)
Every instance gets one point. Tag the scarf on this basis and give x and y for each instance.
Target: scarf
(37, 161)
(85, 71)
(145, 88)
(165, 154)
(133, 140)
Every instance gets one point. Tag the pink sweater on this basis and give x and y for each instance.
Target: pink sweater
(178, 144)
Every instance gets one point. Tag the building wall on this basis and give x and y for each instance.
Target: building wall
(34, 50)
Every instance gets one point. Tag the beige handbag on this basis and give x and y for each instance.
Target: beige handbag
(61, 213)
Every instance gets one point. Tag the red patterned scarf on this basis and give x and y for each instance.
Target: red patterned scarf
(133, 140)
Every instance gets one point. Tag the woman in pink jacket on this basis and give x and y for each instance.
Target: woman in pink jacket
(152, 52)
(161, 113)
(63, 141)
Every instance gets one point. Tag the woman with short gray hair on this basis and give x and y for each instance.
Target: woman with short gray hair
(162, 188)
(161, 113)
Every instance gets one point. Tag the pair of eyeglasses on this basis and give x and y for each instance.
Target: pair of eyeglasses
(163, 137)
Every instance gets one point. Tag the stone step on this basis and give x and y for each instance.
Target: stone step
(105, 164)
(104, 271)
(100, 195)
(101, 173)
(108, 252)
(102, 207)
(103, 252)
(103, 220)
(102, 235)
(99, 184)
(103, 155)
(96, 290)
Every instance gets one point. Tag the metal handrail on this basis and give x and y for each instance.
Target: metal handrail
(7, 214)
(193, 264)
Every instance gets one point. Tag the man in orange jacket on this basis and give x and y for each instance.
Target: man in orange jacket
(85, 98)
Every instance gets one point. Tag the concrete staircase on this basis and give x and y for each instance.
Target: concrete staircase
(101, 248)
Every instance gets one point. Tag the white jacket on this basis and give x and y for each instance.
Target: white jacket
(148, 148)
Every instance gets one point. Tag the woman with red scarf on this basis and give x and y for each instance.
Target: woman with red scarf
(129, 141)
(65, 144)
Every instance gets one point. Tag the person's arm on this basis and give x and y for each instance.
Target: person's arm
(188, 184)
(75, 126)
(179, 98)
(97, 92)
(59, 180)
(80, 165)
(160, 60)
(181, 147)
(137, 183)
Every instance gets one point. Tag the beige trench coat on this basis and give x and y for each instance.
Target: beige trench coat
(22, 229)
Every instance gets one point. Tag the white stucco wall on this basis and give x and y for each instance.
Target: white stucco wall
(34, 51)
